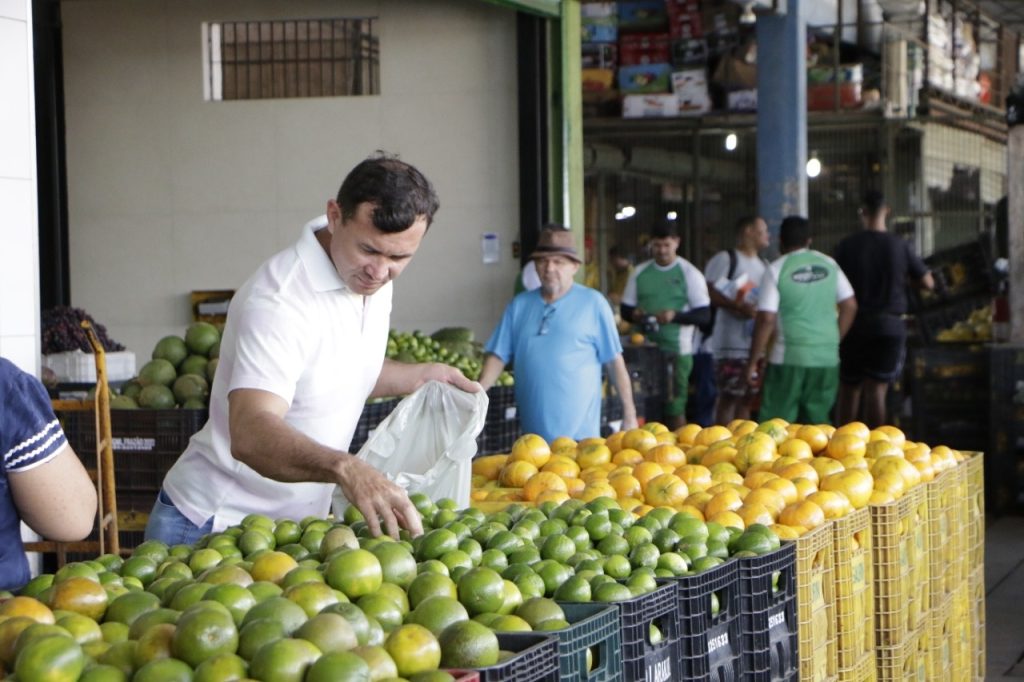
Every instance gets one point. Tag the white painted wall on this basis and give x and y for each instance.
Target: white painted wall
(168, 193)
(19, 231)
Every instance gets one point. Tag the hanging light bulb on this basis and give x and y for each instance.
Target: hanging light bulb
(730, 142)
(813, 166)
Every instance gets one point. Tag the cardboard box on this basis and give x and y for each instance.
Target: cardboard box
(720, 17)
(822, 97)
(684, 19)
(606, 104)
(644, 48)
(742, 100)
(734, 73)
(599, 30)
(689, 52)
(647, 78)
(691, 89)
(643, 15)
(599, 10)
(598, 80)
(599, 56)
(650, 106)
(79, 367)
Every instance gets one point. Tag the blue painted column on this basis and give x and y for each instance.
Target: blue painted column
(782, 114)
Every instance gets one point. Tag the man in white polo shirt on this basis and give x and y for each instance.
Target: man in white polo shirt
(302, 351)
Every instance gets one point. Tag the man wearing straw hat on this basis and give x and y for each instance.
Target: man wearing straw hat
(559, 337)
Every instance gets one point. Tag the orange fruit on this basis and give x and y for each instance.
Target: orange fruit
(690, 510)
(639, 440)
(711, 434)
(741, 427)
(728, 519)
(50, 658)
(563, 444)
(814, 436)
(593, 455)
(489, 466)
(712, 457)
(755, 513)
(858, 429)
(799, 470)
(666, 454)
(28, 607)
(695, 476)
(516, 473)
(854, 462)
(596, 490)
(556, 496)
(468, 644)
(771, 500)
(698, 500)
(284, 659)
(880, 497)
(844, 444)
(897, 437)
(356, 573)
(785, 487)
(756, 479)
(796, 448)
(687, 434)
(881, 448)
(541, 482)
(826, 465)
(891, 483)
(655, 427)
(804, 487)
(784, 532)
(910, 474)
(614, 441)
(627, 456)
(666, 490)
(725, 500)
(645, 471)
(855, 484)
(530, 448)
(833, 504)
(805, 514)
(626, 486)
(80, 595)
(926, 469)
(731, 477)
(574, 486)
(414, 649)
(562, 466)
(203, 633)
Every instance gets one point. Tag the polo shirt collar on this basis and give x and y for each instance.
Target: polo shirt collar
(315, 260)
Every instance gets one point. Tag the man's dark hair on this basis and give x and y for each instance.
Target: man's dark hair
(664, 229)
(744, 222)
(874, 202)
(399, 193)
(794, 233)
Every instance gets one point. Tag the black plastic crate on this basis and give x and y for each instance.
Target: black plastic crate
(536, 659)
(593, 627)
(501, 428)
(768, 616)
(711, 644)
(961, 362)
(146, 445)
(641, 660)
(932, 321)
(1006, 370)
(959, 272)
(648, 369)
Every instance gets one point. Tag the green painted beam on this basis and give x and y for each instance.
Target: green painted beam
(572, 119)
(544, 8)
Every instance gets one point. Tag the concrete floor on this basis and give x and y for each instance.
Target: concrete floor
(1004, 598)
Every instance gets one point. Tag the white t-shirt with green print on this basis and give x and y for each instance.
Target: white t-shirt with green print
(802, 288)
(677, 286)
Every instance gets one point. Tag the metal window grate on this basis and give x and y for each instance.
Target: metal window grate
(290, 58)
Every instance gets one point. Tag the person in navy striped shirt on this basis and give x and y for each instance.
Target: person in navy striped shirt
(42, 481)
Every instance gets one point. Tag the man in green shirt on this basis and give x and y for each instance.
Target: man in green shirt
(673, 292)
(798, 301)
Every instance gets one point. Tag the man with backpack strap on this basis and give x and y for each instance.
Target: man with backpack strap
(733, 277)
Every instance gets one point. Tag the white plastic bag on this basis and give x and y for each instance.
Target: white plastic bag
(427, 443)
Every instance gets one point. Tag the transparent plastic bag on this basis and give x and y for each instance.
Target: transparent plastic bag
(427, 443)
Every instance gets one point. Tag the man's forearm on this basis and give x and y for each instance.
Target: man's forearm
(697, 316)
(623, 386)
(764, 325)
(396, 378)
(276, 450)
(489, 373)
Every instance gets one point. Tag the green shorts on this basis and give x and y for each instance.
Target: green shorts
(682, 367)
(803, 395)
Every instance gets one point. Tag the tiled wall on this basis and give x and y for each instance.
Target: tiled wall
(19, 261)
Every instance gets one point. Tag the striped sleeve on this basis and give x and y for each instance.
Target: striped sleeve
(31, 434)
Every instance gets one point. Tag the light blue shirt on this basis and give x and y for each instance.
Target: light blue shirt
(558, 350)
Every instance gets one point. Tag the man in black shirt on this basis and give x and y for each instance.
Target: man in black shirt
(879, 265)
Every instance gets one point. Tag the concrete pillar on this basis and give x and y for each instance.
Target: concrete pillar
(19, 231)
(782, 114)
(1015, 187)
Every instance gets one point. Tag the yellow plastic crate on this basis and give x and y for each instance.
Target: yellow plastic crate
(900, 550)
(815, 585)
(974, 468)
(939, 641)
(861, 671)
(976, 595)
(961, 644)
(947, 561)
(905, 661)
(855, 591)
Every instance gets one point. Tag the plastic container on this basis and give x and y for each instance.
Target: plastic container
(594, 628)
(79, 367)
(815, 584)
(900, 550)
(768, 615)
(642, 660)
(974, 468)
(711, 643)
(854, 592)
(907, 660)
(535, 659)
(146, 444)
(976, 618)
(947, 560)
(501, 428)
(464, 675)
(861, 671)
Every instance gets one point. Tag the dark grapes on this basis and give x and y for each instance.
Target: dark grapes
(62, 331)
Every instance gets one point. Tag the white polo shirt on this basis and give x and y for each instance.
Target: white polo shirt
(293, 329)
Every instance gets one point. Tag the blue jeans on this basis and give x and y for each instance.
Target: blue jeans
(170, 526)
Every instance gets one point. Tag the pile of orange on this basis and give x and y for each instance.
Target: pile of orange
(791, 477)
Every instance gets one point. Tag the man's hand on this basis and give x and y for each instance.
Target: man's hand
(377, 498)
(747, 310)
(666, 316)
(630, 422)
(446, 374)
(753, 372)
(639, 314)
